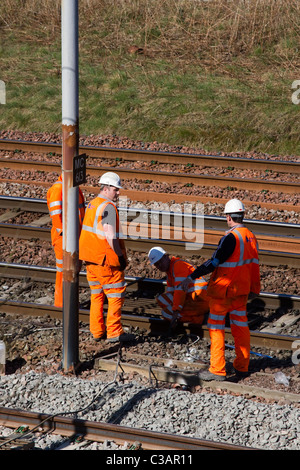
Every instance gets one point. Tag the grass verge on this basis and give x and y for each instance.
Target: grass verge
(212, 75)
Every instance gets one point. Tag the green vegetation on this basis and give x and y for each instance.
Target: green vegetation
(215, 75)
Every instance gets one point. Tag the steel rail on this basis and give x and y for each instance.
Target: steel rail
(178, 198)
(278, 236)
(179, 226)
(48, 274)
(24, 203)
(160, 156)
(254, 184)
(153, 324)
(143, 245)
(262, 227)
(100, 431)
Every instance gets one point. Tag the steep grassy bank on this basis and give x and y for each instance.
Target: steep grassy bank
(216, 75)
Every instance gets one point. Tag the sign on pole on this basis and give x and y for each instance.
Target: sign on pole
(79, 170)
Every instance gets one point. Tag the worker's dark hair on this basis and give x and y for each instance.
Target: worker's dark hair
(237, 218)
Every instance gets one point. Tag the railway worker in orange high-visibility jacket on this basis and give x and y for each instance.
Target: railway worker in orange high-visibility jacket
(102, 248)
(176, 304)
(235, 278)
(55, 206)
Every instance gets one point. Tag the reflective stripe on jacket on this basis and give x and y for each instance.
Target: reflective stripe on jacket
(93, 246)
(55, 206)
(239, 274)
(177, 272)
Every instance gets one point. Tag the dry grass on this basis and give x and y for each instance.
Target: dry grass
(214, 73)
(191, 30)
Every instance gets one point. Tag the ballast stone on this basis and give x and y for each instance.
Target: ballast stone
(224, 418)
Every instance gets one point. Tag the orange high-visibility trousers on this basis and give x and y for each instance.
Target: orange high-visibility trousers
(237, 309)
(193, 310)
(58, 295)
(109, 282)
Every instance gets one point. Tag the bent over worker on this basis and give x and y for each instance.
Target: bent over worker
(55, 206)
(235, 276)
(176, 304)
(103, 251)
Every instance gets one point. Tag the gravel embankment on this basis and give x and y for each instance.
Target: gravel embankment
(222, 418)
(35, 382)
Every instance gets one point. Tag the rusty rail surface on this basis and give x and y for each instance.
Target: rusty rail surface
(254, 184)
(149, 321)
(160, 156)
(156, 286)
(279, 243)
(99, 432)
(176, 247)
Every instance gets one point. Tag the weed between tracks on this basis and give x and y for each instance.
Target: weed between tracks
(216, 75)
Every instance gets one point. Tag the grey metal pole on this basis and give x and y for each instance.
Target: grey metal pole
(70, 146)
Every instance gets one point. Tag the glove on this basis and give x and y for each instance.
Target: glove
(122, 262)
(174, 320)
(252, 295)
(185, 283)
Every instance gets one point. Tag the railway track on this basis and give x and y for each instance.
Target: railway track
(99, 432)
(162, 157)
(151, 324)
(254, 184)
(45, 274)
(149, 320)
(176, 247)
(279, 242)
(143, 313)
(277, 230)
(161, 369)
(165, 177)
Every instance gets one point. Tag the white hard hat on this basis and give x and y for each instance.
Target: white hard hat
(111, 179)
(234, 206)
(155, 254)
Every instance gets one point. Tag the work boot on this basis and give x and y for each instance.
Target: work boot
(100, 338)
(124, 337)
(207, 375)
(241, 375)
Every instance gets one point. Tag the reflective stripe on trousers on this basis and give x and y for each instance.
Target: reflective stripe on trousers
(58, 295)
(237, 309)
(113, 287)
(192, 311)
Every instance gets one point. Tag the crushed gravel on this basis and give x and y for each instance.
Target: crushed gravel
(222, 418)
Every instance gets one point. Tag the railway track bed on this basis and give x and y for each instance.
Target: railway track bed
(163, 175)
(217, 414)
(157, 385)
(33, 334)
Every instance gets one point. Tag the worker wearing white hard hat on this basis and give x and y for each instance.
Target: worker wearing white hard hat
(110, 179)
(155, 254)
(102, 247)
(176, 304)
(234, 269)
(234, 207)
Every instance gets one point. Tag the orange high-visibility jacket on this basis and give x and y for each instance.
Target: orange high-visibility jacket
(93, 246)
(177, 272)
(55, 206)
(239, 274)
